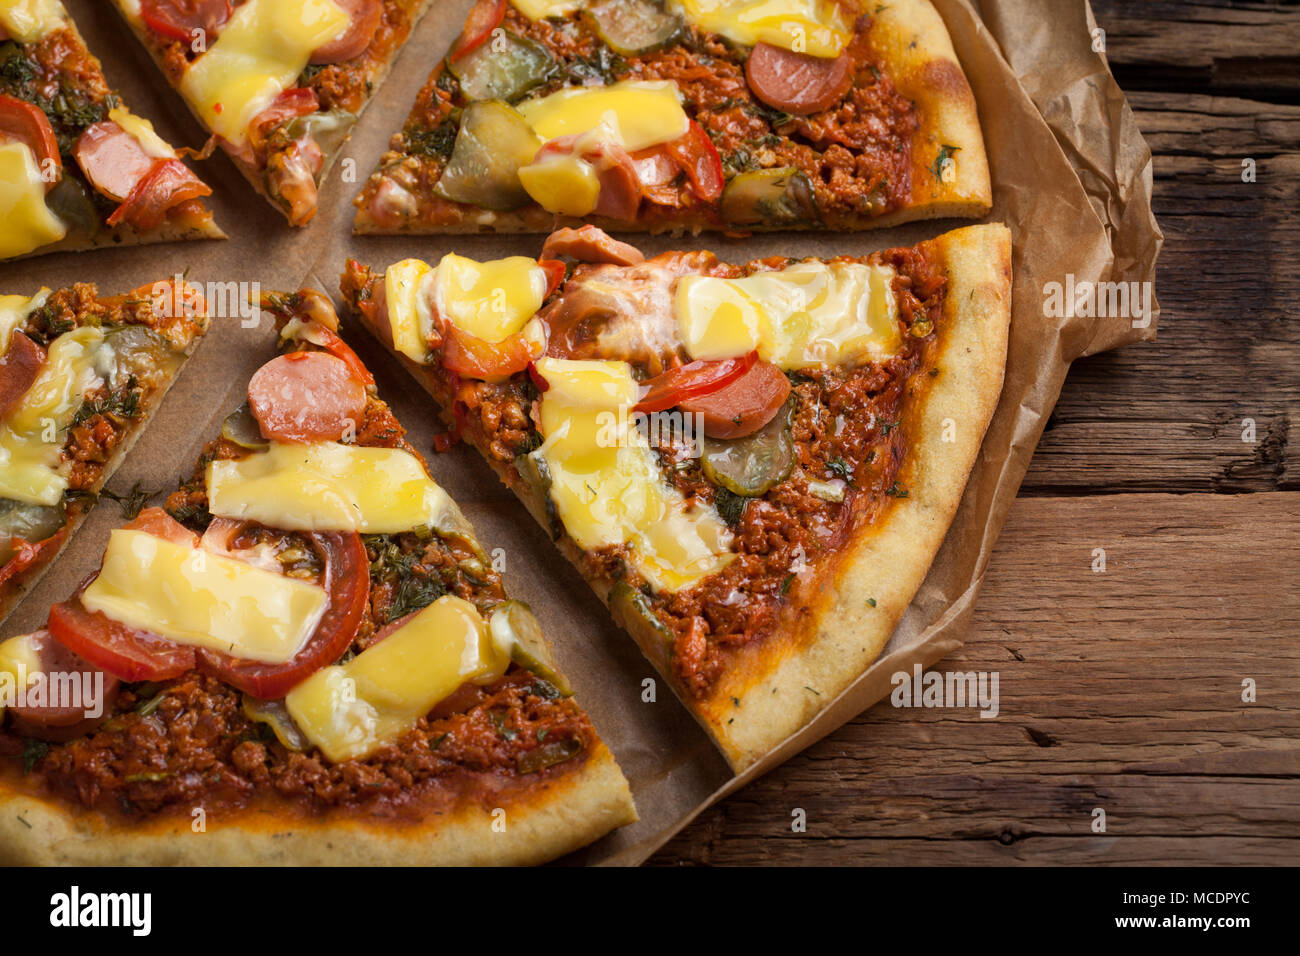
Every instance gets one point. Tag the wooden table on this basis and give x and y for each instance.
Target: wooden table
(1122, 690)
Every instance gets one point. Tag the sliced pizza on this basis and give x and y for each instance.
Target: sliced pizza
(675, 115)
(752, 465)
(306, 658)
(80, 376)
(279, 83)
(78, 170)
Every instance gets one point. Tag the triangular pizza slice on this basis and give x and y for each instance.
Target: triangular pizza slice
(305, 658)
(78, 170)
(677, 115)
(81, 374)
(279, 83)
(753, 465)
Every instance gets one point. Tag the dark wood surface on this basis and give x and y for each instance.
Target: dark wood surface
(1122, 690)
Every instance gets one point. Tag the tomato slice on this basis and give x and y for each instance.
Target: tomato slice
(484, 17)
(178, 19)
(366, 16)
(347, 582)
(473, 357)
(743, 405)
(290, 104)
(28, 554)
(168, 184)
(27, 123)
(126, 653)
(329, 340)
(554, 270)
(20, 365)
(699, 159)
(677, 385)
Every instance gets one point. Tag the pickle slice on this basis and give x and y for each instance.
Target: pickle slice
(241, 428)
(504, 68)
(629, 27)
(515, 631)
(493, 142)
(752, 465)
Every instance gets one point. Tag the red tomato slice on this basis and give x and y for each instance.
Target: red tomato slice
(20, 365)
(168, 184)
(484, 17)
(27, 555)
(26, 123)
(347, 582)
(677, 385)
(160, 524)
(743, 405)
(699, 159)
(473, 357)
(366, 16)
(178, 19)
(123, 651)
(306, 397)
(554, 270)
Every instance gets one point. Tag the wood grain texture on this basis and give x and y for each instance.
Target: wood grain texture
(1122, 690)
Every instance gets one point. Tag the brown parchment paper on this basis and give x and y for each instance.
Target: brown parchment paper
(1031, 60)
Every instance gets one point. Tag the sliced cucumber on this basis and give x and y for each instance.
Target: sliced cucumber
(504, 68)
(515, 631)
(493, 142)
(752, 465)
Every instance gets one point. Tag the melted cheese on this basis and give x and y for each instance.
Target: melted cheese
(29, 20)
(638, 114)
(260, 52)
(204, 600)
(19, 663)
(328, 487)
(142, 131)
(14, 310)
(541, 9)
(26, 223)
(490, 300)
(410, 307)
(562, 183)
(811, 313)
(350, 710)
(31, 438)
(816, 27)
(606, 483)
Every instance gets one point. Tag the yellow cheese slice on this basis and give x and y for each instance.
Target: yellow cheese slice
(29, 20)
(32, 436)
(817, 27)
(541, 9)
(19, 662)
(260, 52)
(811, 313)
(143, 133)
(26, 223)
(637, 113)
(491, 300)
(562, 183)
(329, 487)
(350, 710)
(204, 600)
(606, 483)
(410, 307)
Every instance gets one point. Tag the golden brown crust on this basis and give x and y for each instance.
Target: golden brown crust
(530, 826)
(775, 689)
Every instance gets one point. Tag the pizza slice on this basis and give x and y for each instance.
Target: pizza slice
(80, 376)
(675, 115)
(279, 83)
(752, 465)
(306, 658)
(78, 170)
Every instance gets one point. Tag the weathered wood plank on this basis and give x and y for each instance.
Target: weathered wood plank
(1248, 49)
(1168, 415)
(1119, 689)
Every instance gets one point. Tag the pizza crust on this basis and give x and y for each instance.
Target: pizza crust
(564, 814)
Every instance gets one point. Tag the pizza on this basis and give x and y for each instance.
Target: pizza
(78, 170)
(279, 83)
(306, 657)
(80, 376)
(676, 115)
(752, 465)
